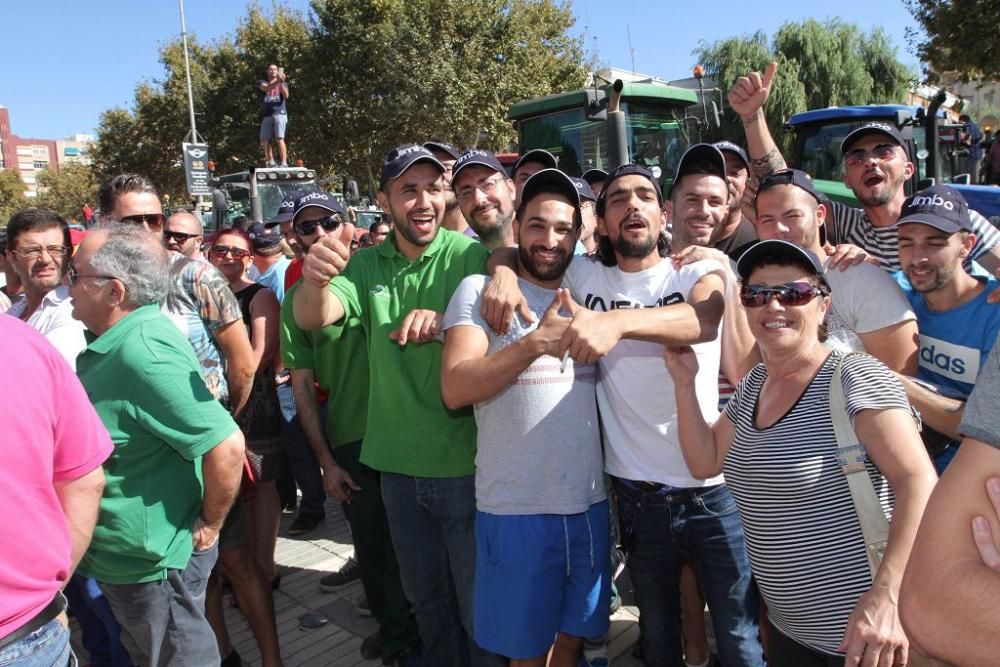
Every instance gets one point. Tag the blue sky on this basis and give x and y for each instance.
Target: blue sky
(83, 56)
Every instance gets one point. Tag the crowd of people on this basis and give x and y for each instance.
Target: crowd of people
(736, 389)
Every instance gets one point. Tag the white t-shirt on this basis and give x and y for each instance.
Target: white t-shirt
(635, 393)
(864, 298)
(54, 319)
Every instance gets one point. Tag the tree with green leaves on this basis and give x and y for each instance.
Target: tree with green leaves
(958, 37)
(67, 190)
(11, 194)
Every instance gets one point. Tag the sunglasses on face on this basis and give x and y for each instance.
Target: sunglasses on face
(149, 219)
(221, 251)
(882, 153)
(788, 294)
(307, 227)
(180, 237)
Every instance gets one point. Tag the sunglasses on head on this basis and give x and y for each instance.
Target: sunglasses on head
(221, 251)
(180, 237)
(149, 219)
(788, 294)
(307, 227)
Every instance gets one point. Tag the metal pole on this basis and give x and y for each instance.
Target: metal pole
(187, 73)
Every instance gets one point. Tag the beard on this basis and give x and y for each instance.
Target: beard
(544, 270)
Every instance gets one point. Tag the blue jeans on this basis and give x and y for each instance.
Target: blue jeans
(305, 467)
(47, 646)
(432, 523)
(659, 528)
(99, 630)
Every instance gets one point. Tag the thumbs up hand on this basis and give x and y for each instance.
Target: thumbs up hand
(552, 325)
(328, 256)
(749, 94)
(589, 335)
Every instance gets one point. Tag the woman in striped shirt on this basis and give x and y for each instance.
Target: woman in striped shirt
(776, 444)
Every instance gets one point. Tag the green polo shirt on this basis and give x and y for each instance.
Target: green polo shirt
(338, 354)
(146, 385)
(410, 430)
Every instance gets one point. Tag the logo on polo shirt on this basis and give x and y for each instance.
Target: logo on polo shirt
(381, 291)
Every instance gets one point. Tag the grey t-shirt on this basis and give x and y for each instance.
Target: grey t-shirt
(864, 298)
(981, 419)
(539, 446)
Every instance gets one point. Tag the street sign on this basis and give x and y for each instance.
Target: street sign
(196, 169)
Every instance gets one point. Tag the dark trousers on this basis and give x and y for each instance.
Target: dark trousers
(305, 467)
(783, 651)
(374, 553)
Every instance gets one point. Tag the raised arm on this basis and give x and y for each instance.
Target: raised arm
(315, 305)
(747, 98)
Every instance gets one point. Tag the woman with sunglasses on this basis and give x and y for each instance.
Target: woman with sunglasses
(261, 419)
(777, 446)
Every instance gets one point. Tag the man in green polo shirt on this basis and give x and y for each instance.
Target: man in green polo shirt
(329, 370)
(177, 456)
(398, 290)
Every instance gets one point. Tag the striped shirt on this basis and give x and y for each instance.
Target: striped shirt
(851, 225)
(805, 544)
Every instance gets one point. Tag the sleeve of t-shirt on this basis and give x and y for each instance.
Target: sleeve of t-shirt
(735, 403)
(171, 401)
(82, 443)
(982, 419)
(878, 301)
(987, 236)
(463, 309)
(869, 385)
(691, 273)
(217, 306)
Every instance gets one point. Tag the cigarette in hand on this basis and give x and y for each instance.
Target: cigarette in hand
(562, 366)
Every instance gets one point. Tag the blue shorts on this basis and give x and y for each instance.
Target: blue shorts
(273, 127)
(540, 574)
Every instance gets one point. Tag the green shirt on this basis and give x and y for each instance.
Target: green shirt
(410, 431)
(339, 356)
(146, 385)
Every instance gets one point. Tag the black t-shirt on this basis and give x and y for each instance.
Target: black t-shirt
(739, 241)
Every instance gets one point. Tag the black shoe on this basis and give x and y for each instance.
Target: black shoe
(232, 660)
(350, 572)
(305, 522)
(371, 647)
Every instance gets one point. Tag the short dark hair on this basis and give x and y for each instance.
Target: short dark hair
(123, 184)
(35, 219)
(375, 225)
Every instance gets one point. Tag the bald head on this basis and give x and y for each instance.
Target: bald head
(182, 234)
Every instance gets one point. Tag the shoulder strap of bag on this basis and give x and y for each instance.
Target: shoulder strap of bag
(852, 456)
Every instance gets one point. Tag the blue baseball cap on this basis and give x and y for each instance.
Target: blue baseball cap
(401, 158)
(735, 149)
(751, 259)
(627, 170)
(539, 155)
(321, 200)
(264, 236)
(550, 180)
(594, 175)
(701, 159)
(477, 157)
(442, 147)
(583, 188)
(286, 209)
(939, 206)
(883, 127)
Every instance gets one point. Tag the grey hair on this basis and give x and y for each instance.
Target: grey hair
(137, 258)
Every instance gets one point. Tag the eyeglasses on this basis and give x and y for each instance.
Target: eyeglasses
(788, 294)
(307, 227)
(180, 237)
(221, 251)
(35, 251)
(73, 275)
(149, 219)
(882, 153)
(487, 187)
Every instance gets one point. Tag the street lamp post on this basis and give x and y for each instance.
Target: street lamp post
(187, 74)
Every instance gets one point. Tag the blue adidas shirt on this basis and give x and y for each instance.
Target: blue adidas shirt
(954, 344)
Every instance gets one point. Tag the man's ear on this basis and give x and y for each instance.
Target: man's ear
(383, 200)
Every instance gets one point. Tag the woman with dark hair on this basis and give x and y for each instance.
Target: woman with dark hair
(777, 446)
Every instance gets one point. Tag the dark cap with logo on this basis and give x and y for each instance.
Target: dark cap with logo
(320, 200)
(583, 187)
(442, 147)
(883, 127)
(735, 149)
(550, 180)
(799, 179)
(476, 157)
(401, 158)
(627, 170)
(264, 237)
(939, 206)
(539, 155)
(700, 159)
(287, 208)
(765, 251)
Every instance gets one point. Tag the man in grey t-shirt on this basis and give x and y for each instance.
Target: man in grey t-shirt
(542, 521)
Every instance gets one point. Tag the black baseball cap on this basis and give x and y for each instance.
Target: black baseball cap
(883, 127)
(287, 208)
(735, 149)
(550, 180)
(627, 170)
(442, 147)
(939, 206)
(478, 157)
(702, 159)
(594, 176)
(539, 155)
(799, 179)
(583, 188)
(401, 158)
(264, 236)
(751, 259)
(321, 200)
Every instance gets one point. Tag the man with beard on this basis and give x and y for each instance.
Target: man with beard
(876, 169)
(957, 326)
(425, 452)
(531, 162)
(485, 197)
(447, 154)
(540, 493)
(737, 233)
(39, 250)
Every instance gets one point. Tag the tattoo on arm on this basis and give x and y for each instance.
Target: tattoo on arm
(750, 119)
(768, 164)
